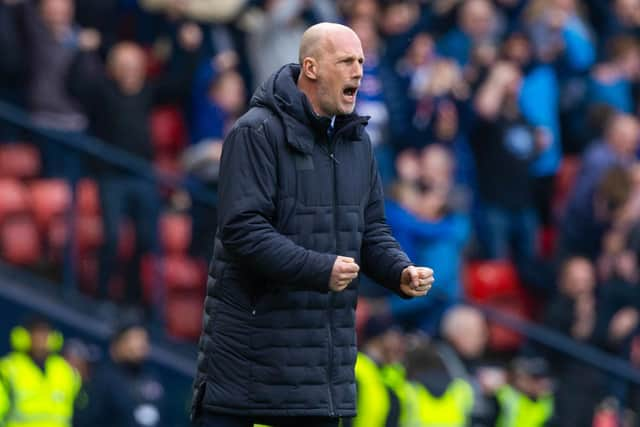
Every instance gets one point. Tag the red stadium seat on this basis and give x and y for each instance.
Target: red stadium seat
(87, 197)
(175, 233)
(183, 316)
(168, 131)
(14, 198)
(178, 275)
(502, 338)
(19, 161)
(20, 242)
(89, 232)
(486, 280)
(50, 198)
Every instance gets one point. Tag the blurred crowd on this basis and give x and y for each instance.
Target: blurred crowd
(506, 133)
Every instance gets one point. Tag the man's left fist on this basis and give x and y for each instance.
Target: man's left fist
(416, 281)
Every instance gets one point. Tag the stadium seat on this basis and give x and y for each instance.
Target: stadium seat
(175, 233)
(87, 197)
(178, 274)
(168, 131)
(19, 160)
(50, 198)
(89, 232)
(502, 338)
(20, 241)
(486, 280)
(14, 198)
(184, 316)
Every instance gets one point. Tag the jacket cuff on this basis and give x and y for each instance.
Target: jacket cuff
(324, 262)
(393, 279)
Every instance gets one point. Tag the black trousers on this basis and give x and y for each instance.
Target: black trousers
(210, 419)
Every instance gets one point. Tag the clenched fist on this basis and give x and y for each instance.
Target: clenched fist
(344, 271)
(416, 281)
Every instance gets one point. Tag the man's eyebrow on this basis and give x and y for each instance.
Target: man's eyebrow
(350, 57)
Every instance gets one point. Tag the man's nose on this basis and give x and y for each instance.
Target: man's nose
(357, 71)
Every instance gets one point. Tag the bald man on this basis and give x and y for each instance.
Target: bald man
(300, 217)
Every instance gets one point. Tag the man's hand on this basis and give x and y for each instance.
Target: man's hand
(344, 271)
(416, 281)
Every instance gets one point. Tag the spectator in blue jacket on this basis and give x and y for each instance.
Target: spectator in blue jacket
(611, 82)
(427, 226)
(477, 24)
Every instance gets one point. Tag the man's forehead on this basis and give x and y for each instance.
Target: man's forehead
(344, 44)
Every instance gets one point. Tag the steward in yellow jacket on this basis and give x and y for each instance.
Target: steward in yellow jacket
(37, 386)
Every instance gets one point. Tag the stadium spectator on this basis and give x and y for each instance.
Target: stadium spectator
(505, 143)
(198, 10)
(378, 403)
(37, 386)
(50, 39)
(437, 397)
(274, 36)
(477, 25)
(464, 336)
(618, 19)
(433, 231)
(118, 101)
(574, 313)
(582, 228)
(218, 98)
(611, 81)
(528, 395)
(124, 392)
(11, 65)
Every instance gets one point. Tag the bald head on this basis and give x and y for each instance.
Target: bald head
(331, 59)
(320, 38)
(465, 328)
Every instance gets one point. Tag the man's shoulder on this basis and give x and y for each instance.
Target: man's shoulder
(261, 120)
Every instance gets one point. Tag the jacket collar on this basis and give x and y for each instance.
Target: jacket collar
(281, 94)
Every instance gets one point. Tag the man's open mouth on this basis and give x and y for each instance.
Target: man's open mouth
(350, 90)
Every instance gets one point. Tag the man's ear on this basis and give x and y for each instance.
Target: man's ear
(310, 68)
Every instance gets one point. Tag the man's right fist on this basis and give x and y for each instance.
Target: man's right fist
(344, 271)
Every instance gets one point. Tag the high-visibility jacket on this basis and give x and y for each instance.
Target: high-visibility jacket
(395, 377)
(33, 397)
(373, 403)
(518, 410)
(451, 409)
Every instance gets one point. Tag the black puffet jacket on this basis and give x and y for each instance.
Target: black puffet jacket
(276, 341)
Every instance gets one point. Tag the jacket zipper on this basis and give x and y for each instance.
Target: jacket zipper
(331, 150)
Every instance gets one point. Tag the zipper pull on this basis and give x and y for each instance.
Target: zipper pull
(333, 157)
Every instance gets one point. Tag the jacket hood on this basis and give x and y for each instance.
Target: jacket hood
(280, 94)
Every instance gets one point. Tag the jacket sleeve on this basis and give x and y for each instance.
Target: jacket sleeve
(247, 200)
(382, 258)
